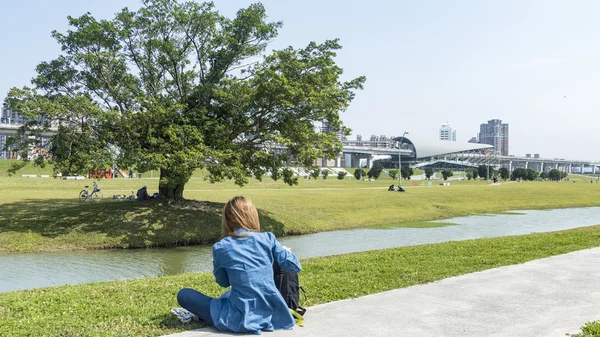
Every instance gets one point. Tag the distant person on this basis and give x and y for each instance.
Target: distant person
(131, 173)
(244, 259)
(400, 189)
(391, 188)
(142, 194)
(115, 172)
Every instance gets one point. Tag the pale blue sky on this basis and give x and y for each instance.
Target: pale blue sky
(426, 62)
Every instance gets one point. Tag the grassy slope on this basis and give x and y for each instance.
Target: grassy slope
(141, 307)
(44, 214)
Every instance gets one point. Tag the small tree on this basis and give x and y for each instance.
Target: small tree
(504, 174)
(482, 170)
(469, 173)
(518, 173)
(475, 173)
(406, 172)
(359, 173)
(446, 174)
(315, 173)
(544, 175)
(324, 173)
(393, 174)
(428, 172)
(563, 175)
(554, 175)
(530, 175)
(375, 171)
(342, 175)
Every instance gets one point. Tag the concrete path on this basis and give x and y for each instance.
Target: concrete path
(548, 297)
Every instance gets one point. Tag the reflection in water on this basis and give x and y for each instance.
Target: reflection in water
(22, 271)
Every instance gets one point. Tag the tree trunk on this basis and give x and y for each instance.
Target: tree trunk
(170, 190)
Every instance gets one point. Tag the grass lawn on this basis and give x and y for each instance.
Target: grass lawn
(141, 307)
(44, 214)
(590, 329)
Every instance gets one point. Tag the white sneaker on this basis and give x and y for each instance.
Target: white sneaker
(184, 316)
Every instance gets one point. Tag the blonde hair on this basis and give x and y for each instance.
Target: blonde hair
(239, 213)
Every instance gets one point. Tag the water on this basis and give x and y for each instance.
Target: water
(23, 271)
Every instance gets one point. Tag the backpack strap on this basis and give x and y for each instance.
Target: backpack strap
(298, 318)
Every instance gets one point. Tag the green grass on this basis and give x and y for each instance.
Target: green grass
(590, 329)
(141, 307)
(44, 214)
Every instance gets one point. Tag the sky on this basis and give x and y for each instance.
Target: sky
(534, 64)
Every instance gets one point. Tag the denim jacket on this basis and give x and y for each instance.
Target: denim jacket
(246, 264)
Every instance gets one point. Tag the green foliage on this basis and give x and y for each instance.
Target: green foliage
(324, 173)
(524, 174)
(314, 173)
(475, 173)
(544, 175)
(393, 174)
(447, 173)
(176, 86)
(555, 175)
(288, 176)
(482, 171)
(406, 172)
(504, 173)
(375, 171)
(386, 163)
(428, 172)
(469, 173)
(531, 175)
(590, 329)
(141, 307)
(517, 174)
(359, 174)
(342, 175)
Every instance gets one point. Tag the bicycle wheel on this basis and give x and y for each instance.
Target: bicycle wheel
(83, 195)
(97, 196)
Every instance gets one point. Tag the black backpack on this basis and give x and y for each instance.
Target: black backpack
(287, 283)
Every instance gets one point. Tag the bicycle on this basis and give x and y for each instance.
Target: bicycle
(95, 195)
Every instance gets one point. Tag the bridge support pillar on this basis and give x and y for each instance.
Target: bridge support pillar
(338, 161)
(570, 168)
(369, 161)
(510, 169)
(541, 167)
(348, 160)
(526, 165)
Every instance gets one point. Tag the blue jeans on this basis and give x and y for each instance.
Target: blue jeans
(195, 302)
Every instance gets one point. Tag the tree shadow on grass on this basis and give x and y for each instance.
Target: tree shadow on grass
(126, 224)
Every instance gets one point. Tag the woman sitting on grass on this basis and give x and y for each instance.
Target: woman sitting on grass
(244, 259)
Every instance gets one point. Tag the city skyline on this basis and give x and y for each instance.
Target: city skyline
(524, 62)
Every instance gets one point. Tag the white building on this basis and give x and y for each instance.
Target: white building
(447, 132)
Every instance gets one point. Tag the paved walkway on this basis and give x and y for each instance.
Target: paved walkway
(548, 297)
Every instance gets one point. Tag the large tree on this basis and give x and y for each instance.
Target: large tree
(176, 86)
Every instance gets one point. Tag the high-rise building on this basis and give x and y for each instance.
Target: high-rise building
(447, 132)
(495, 133)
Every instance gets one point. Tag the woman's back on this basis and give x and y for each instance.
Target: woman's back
(254, 303)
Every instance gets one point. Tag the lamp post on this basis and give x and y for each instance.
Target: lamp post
(400, 158)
